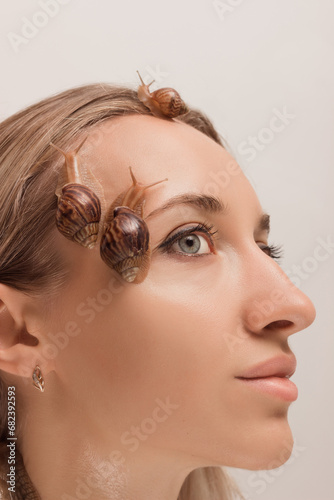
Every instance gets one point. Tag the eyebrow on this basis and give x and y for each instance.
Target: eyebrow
(207, 203)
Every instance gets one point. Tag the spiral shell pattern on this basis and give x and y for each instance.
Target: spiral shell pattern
(125, 244)
(78, 214)
(170, 102)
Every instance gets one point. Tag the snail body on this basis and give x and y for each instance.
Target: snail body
(125, 244)
(79, 208)
(165, 102)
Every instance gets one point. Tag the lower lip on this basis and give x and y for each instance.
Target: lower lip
(280, 387)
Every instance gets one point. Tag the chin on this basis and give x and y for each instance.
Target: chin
(266, 447)
(275, 450)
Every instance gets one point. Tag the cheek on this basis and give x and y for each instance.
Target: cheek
(168, 342)
(173, 345)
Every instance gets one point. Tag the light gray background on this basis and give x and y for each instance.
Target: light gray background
(240, 62)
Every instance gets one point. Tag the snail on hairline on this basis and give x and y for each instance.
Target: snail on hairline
(125, 243)
(165, 102)
(78, 208)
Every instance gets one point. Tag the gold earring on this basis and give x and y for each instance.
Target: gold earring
(37, 379)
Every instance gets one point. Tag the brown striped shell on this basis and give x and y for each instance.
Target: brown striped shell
(79, 208)
(169, 102)
(165, 102)
(78, 214)
(125, 245)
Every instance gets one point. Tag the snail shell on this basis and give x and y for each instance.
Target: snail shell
(125, 243)
(78, 214)
(169, 102)
(79, 208)
(165, 102)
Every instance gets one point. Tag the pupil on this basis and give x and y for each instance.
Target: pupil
(192, 243)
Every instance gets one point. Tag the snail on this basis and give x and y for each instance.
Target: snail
(79, 208)
(125, 245)
(165, 102)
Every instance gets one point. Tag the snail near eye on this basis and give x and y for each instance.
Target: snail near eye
(125, 244)
(78, 208)
(165, 102)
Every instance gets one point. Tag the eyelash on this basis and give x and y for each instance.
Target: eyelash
(275, 251)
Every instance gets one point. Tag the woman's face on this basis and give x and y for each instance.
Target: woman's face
(153, 366)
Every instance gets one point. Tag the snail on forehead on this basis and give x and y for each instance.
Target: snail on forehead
(125, 243)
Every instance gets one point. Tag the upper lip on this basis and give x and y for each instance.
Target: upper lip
(279, 366)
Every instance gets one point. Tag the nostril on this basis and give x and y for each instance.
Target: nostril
(281, 323)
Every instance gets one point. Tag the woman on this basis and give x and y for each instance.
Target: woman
(148, 386)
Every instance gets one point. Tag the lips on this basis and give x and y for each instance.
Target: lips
(271, 378)
(279, 366)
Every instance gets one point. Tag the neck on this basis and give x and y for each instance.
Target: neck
(68, 459)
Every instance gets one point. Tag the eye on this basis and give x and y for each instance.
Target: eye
(187, 242)
(274, 251)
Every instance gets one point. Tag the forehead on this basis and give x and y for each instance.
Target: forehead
(156, 149)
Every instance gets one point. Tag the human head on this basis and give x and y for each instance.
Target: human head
(189, 329)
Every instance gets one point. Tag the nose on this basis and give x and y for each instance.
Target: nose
(272, 301)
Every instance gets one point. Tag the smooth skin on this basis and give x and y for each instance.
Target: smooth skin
(140, 386)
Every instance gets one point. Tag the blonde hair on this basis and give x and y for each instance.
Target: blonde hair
(28, 178)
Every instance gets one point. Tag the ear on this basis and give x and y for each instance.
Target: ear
(21, 333)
